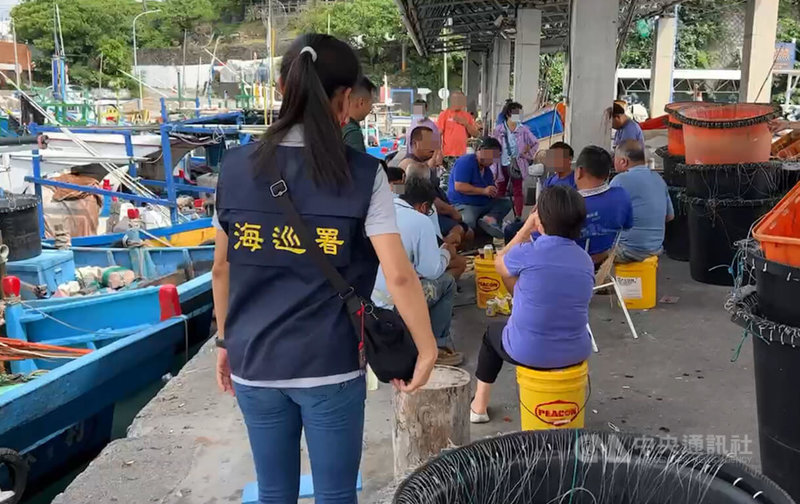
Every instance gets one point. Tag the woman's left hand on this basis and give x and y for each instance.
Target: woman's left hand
(224, 372)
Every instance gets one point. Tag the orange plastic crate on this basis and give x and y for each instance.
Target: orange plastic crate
(779, 231)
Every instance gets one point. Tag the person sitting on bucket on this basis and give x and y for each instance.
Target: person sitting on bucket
(608, 209)
(652, 206)
(552, 280)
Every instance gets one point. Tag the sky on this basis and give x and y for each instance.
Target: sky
(5, 6)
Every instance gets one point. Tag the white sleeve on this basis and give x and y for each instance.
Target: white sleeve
(380, 215)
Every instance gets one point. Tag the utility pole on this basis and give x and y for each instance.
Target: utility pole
(136, 69)
(16, 57)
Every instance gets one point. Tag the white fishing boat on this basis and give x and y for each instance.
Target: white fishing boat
(62, 154)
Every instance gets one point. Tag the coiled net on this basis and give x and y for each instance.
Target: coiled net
(574, 466)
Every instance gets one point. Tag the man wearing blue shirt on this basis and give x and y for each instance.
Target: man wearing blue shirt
(559, 159)
(652, 207)
(627, 128)
(608, 209)
(472, 191)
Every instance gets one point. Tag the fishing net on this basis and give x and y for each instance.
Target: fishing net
(747, 181)
(672, 176)
(732, 115)
(581, 467)
(744, 313)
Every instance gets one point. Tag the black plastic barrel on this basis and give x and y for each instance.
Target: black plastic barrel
(778, 287)
(676, 234)
(745, 181)
(672, 176)
(789, 175)
(714, 226)
(776, 365)
(19, 223)
(584, 467)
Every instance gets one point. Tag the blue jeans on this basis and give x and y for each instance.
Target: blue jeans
(333, 419)
(498, 208)
(441, 295)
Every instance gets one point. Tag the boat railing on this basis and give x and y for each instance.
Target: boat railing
(219, 132)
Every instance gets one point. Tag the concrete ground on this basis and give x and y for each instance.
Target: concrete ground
(188, 446)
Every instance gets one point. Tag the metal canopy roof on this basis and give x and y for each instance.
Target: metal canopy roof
(456, 25)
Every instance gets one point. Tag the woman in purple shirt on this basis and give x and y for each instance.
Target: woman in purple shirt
(552, 280)
(519, 146)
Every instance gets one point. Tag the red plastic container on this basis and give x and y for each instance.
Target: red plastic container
(727, 134)
(675, 146)
(779, 231)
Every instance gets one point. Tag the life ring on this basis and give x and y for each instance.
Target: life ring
(18, 471)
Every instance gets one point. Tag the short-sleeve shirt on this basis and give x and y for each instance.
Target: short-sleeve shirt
(454, 135)
(380, 215)
(353, 136)
(554, 180)
(651, 206)
(629, 131)
(608, 211)
(426, 122)
(466, 169)
(547, 328)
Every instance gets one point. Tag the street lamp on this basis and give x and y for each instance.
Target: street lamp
(135, 61)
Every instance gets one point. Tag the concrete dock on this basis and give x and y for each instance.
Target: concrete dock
(189, 446)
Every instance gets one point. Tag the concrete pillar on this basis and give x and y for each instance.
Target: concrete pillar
(472, 79)
(485, 59)
(758, 51)
(593, 51)
(502, 76)
(663, 63)
(526, 58)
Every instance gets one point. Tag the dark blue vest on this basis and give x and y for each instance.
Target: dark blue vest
(284, 320)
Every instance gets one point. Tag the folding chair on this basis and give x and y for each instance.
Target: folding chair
(604, 279)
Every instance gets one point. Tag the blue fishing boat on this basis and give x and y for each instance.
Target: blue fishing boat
(61, 410)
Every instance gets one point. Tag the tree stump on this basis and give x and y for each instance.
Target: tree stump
(430, 420)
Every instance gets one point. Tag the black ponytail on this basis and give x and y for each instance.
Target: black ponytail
(508, 108)
(310, 78)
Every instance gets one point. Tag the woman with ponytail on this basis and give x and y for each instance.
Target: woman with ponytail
(286, 346)
(519, 147)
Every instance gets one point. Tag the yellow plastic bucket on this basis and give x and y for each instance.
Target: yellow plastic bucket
(552, 399)
(488, 282)
(637, 283)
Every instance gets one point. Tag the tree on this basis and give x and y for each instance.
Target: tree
(87, 27)
(375, 29)
(179, 16)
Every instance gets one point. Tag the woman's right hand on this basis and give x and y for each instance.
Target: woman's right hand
(224, 372)
(422, 371)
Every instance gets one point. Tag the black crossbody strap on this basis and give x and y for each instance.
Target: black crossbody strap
(280, 191)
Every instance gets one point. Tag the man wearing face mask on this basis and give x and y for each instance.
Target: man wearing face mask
(519, 147)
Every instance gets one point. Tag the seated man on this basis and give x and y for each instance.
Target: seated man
(397, 177)
(422, 151)
(552, 280)
(472, 191)
(608, 209)
(430, 262)
(559, 160)
(652, 207)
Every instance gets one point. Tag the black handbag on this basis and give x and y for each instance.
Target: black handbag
(383, 339)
